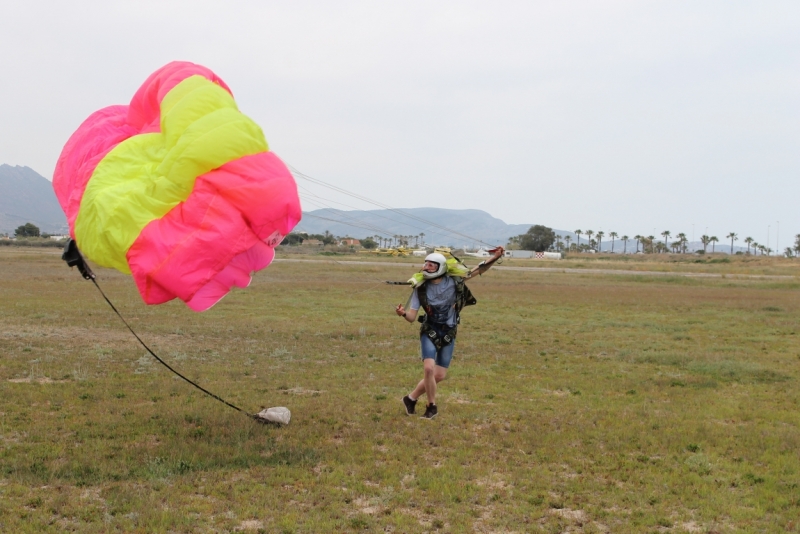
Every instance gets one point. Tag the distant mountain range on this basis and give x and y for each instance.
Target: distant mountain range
(26, 196)
(440, 226)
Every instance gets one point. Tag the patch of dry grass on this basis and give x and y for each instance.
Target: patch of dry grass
(582, 403)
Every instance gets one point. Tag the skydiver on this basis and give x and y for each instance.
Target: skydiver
(442, 296)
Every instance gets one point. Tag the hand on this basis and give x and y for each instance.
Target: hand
(498, 252)
(400, 311)
(415, 280)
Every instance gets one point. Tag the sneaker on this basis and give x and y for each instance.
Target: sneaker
(409, 404)
(430, 412)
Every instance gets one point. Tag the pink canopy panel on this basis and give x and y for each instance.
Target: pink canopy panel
(178, 188)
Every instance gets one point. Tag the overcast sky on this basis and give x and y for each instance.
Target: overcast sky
(628, 116)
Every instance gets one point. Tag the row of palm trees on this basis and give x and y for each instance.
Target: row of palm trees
(594, 240)
(649, 244)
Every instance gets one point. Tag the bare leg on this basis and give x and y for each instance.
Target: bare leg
(433, 375)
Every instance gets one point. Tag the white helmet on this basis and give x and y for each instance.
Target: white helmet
(439, 260)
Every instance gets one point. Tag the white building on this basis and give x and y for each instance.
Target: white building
(529, 254)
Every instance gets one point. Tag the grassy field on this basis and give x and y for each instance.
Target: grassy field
(575, 403)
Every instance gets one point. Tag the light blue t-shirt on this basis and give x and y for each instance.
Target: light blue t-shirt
(441, 299)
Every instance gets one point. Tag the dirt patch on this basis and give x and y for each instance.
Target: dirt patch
(249, 524)
(578, 516)
(43, 380)
(494, 482)
(303, 391)
(366, 507)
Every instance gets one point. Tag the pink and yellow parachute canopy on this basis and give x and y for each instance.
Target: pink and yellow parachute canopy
(178, 189)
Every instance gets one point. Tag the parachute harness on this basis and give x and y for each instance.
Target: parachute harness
(464, 297)
(74, 258)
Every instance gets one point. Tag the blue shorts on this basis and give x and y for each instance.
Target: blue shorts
(441, 356)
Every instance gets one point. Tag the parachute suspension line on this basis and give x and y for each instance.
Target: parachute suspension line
(384, 206)
(74, 258)
(162, 362)
(323, 203)
(356, 223)
(360, 224)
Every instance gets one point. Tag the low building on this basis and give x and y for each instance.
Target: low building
(531, 255)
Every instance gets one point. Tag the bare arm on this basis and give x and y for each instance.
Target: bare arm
(485, 265)
(408, 315)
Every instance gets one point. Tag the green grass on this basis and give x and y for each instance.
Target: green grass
(587, 403)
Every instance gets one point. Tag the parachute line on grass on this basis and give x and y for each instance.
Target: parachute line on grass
(72, 256)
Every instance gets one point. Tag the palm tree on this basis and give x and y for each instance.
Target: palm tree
(733, 237)
(600, 235)
(749, 241)
(652, 240)
(567, 239)
(682, 240)
(666, 235)
(578, 233)
(714, 242)
(705, 240)
(589, 234)
(625, 246)
(613, 236)
(638, 238)
(422, 237)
